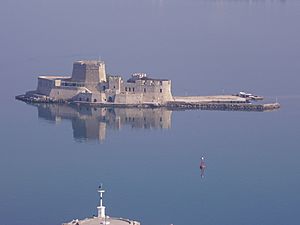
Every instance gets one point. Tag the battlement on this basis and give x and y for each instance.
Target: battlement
(90, 62)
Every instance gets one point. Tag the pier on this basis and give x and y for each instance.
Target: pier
(223, 106)
(220, 102)
(210, 99)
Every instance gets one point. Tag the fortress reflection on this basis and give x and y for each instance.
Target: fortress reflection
(91, 123)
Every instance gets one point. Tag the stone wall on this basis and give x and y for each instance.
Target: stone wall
(99, 97)
(148, 91)
(65, 93)
(44, 86)
(129, 98)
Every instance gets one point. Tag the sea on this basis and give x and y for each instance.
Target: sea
(54, 157)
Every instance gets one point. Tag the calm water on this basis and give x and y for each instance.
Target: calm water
(53, 158)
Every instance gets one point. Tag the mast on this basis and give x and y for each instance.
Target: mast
(101, 208)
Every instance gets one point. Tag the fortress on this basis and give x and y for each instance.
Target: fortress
(89, 83)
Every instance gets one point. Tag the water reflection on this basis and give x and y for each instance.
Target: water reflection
(91, 123)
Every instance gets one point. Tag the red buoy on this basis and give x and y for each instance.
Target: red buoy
(202, 163)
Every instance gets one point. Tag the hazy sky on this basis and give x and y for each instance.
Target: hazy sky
(205, 47)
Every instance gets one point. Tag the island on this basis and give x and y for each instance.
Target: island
(90, 84)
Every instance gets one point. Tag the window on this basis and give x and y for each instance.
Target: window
(114, 87)
(125, 88)
(87, 99)
(145, 90)
(79, 99)
(95, 100)
(160, 90)
(133, 89)
(103, 88)
(129, 89)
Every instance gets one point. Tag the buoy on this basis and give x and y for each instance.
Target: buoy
(202, 166)
(202, 163)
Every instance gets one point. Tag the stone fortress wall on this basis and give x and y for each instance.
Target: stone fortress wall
(90, 83)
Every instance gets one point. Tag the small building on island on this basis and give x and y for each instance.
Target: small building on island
(91, 84)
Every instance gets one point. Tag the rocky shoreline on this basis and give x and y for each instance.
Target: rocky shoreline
(172, 105)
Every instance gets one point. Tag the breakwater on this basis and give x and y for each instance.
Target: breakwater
(223, 106)
(171, 105)
(39, 99)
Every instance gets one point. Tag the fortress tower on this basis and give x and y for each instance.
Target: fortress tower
(91, 71)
